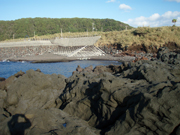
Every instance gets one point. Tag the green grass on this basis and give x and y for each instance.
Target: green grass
(151, 36)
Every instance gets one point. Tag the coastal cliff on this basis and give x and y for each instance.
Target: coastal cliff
(132, 98)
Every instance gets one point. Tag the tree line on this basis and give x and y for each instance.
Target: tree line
(45, 26)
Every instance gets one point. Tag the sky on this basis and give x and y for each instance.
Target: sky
(136, 13)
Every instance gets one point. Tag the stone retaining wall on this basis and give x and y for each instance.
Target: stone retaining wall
(24, 48)
(15, 52)
(25, 43)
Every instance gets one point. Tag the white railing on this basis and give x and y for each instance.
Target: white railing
(83, 52)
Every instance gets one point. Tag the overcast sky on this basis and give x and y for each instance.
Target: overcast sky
(136, 13)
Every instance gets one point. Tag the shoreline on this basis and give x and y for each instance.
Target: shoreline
(53, 58)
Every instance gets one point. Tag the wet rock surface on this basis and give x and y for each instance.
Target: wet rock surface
(132, 98)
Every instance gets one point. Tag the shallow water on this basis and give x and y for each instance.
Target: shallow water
(65, 68)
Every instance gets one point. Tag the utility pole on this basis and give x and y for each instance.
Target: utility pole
(13, 36)
(92, 27)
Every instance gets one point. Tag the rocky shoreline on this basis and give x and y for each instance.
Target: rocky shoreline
(51, 58)
(139, 97)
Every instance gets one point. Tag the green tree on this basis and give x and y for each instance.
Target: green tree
(174, 21)
(43, 26)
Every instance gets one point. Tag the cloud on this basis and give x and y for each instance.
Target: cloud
(174, 0)
(111, 1)
(170, 14)
(154, 17)
(125, 7)
(156, 20)
(178, 21)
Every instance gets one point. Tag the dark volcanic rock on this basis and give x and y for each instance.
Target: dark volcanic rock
(102, 69)
(2, 79)
(169, 57)
(18, 74)
(132, 98)
(27, 107)
(79, 69)
(33, 89)
(38, 70)
(45, 122)
(153, 71)
(5, 84)
(113, 69)
(152, 112)
(88, 69)
(143, 99)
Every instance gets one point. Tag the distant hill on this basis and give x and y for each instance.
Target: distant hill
(45, 26)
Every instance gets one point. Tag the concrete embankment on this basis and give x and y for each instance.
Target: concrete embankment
(15, 52)
(81, 41)
(25, 43)
(24, 48)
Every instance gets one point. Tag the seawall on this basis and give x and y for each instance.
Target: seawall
(16, 52)
(25, 43)
(24, 48)
(81, 41)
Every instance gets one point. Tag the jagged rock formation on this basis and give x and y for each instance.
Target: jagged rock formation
(168, 57)
(140, 100)
(131, 98)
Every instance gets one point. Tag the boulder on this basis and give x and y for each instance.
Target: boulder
(38, 70)
(88, 69)
(99, 69)
(20, 73)
(5, 84)
(161, 51)
(2, 79)
(111, 69)
(79, 69)
(33, 90)
(152, 71)
(168, 57)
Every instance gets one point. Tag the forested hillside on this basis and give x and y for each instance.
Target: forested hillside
(44, 26)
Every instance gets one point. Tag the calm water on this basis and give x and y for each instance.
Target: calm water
(65, 68)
